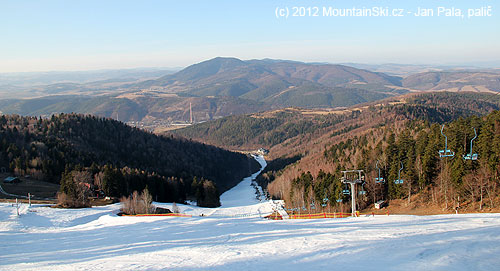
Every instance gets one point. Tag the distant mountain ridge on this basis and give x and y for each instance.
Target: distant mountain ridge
(225, 86)
(278, 83)
(456, 80)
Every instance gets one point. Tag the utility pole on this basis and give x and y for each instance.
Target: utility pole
(17, 207)
(190, 114)
(353, 177)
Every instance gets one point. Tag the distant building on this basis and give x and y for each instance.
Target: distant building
(262, 151)
(380, 204)
(11, 180)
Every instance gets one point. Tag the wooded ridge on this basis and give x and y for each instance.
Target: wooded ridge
(115, 158)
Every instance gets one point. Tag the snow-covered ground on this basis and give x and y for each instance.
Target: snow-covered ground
(43, 238)
(241, 195)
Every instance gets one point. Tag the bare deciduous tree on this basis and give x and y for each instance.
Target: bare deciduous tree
(138, 203)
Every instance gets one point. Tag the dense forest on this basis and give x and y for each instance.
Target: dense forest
(412, 146)
(268, 129)
(265, 129)
(117, 159)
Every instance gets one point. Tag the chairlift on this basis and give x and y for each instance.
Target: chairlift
(346, 190)
(313, 207)
(325, 201)
(471, 156)
(362, 191)
(445, 152)
(379, 179)
(304, 208)
(340, 198)
(399, 180)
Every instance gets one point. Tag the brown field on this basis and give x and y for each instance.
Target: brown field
(40, 189)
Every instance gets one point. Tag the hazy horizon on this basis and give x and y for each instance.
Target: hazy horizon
(478, 65)
(93, 35)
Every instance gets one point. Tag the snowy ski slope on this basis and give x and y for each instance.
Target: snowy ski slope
(43, 238)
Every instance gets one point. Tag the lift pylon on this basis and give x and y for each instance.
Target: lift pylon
(353, 177)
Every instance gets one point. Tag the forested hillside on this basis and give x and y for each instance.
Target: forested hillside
(308, 148)
(274, 128)
(404, 136)
(116, 158)
(454, 80)
(414, 148)
(257, 130)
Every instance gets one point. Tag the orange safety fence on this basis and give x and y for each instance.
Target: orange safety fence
(170, 214)
(290, 216)
(320, 215)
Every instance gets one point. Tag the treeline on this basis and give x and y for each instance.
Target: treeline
(79, 184)
(273, 128)
(267, 130)
(448, 181)
(126, 158)
(461, 104)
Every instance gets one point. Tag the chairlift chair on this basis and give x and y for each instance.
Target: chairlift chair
(313, 207)
(346, 190)
(471, 156)
(399, 180)
(340, 198)
(445, 152)
(325, 202)
(379, 179)
(362, 191)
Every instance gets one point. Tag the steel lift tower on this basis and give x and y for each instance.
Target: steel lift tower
(353, 177)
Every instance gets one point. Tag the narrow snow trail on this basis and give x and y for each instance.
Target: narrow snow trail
(243, 194)
(240, 201)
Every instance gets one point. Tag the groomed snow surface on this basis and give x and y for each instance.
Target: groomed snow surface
(43, 238)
